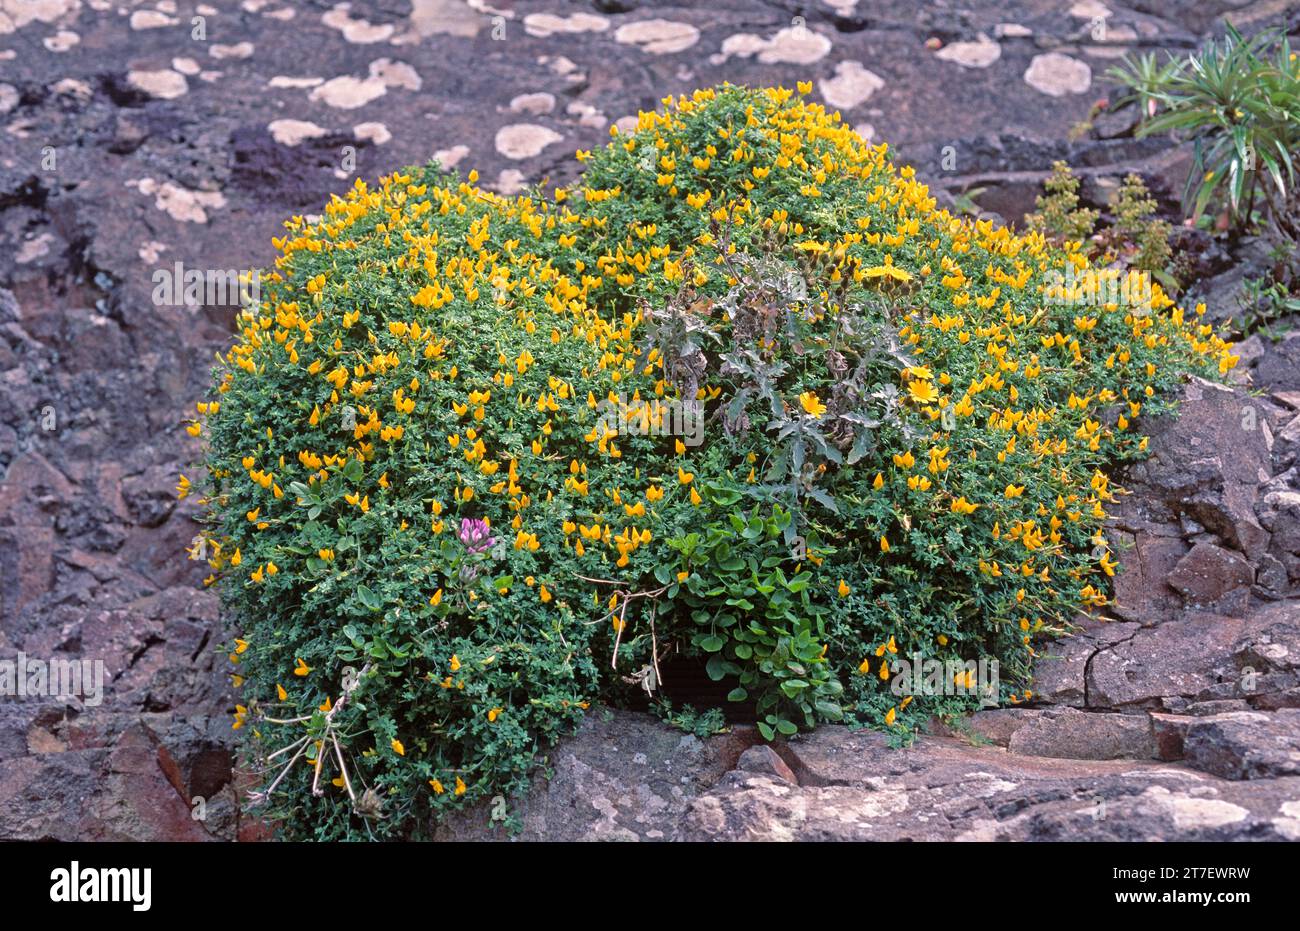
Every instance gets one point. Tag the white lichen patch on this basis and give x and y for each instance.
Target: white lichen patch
(395, 74)
(851, 85)
(33, 249)
(1056, 75)
(509, 182)
(347, 92)
(658, 36)
(983, 785)
(978, 54)
(548, 24)
(587, 114)
(559, 64)
(358, 31)
(294, 132)
(535, 103)
(524, 140)
(376, 133)
(1197, 813)
(61, 41)
(186, 66)
(794, 45)
(285, 81)
(444, 17)
(9, 97)
(1090, 9)
(1012, 31)
(15, 14)
(238, 50)
(151, 251)
(181, 204)
(164, 83)
(151, 19)
(450, 158)
(71, 87)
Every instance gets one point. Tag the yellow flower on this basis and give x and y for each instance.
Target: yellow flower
(437, 787)
(889, 716)
(281, 693)
(922, 392)
(460, 786)
(494, 713)
(455, 663)
(843, 589)
(884, 545)
(1014, 491)
(302, 668)
(812, 404)
(962, 506)
(398, 748)
(888, 271)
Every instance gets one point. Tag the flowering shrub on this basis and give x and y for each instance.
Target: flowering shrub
(449, 508)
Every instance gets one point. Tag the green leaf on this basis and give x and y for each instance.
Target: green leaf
(710, 643)
(369, 598)
(716, 667)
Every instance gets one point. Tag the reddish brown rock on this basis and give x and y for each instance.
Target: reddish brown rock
(1209, 574)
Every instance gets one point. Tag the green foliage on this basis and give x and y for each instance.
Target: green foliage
(1238, 100)
(1144, 236)
(701, 724)
(755, 623)
(1266, 304)
(436, 545)
(1059, 214)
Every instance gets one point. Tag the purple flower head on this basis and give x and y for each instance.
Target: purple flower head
(476, 535)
